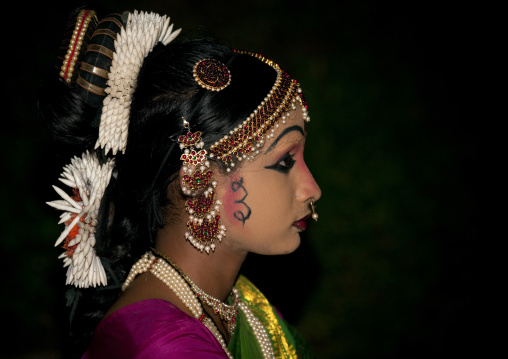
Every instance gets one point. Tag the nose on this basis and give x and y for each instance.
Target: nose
(308, 187)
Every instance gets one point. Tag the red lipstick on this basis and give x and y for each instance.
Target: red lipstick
(302, 223)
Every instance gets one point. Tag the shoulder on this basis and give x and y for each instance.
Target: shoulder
(152, 328)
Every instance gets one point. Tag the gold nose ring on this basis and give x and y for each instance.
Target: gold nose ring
(313, 209)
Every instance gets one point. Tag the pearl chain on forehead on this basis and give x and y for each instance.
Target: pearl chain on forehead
(245, 140)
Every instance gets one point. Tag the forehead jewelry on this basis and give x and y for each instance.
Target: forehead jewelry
(245, 141)
(204, 225)
(211, 74)
(313, 209)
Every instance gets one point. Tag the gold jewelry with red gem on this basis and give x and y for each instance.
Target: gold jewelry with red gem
(245, 141)
(212, 74)
(85, 24)
(204, 225)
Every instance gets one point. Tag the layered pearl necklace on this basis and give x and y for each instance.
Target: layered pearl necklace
(171, 278)
(181, 285)
(226, 312)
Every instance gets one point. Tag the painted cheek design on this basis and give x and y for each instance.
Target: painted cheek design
(243, 214)
(235, 205)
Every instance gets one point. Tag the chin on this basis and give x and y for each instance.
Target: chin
(289, 247)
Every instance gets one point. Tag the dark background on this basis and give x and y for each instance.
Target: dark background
(397, 98)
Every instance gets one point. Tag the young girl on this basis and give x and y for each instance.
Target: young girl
(187, 156)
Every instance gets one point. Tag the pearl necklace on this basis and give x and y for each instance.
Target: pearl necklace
(169, 276)
(259, 331)
(173, 279)
(226, 312)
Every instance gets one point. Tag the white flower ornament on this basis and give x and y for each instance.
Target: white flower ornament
(136, 40)
(86, 175)
(88, 180)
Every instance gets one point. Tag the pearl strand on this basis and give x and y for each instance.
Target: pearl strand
(172, 279)
(141, 266)
(259, 331)
(225, 311)
(169, 276)
(213, 328)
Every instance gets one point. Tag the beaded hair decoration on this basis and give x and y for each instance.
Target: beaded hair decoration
(212, 74)
(245, 140)
(114, 52)
(79, 35)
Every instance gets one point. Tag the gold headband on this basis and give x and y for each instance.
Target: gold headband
(245, 140)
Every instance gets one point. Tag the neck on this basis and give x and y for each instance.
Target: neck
(215, 273)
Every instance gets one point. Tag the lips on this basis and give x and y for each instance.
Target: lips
(302, 223)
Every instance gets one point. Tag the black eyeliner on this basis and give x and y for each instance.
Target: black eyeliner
(282, 169)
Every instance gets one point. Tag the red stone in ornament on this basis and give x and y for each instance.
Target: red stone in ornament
(193, 157)
(197, 180)
(202, 204)
(212, 74)
(190, 139)
(206, 231)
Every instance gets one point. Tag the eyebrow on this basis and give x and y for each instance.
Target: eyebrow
(284, 133)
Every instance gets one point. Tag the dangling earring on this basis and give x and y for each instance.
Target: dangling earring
(313, 209)
(204, 225)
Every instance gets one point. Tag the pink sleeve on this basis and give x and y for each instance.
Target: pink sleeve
(152, 329)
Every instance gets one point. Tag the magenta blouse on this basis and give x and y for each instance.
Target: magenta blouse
(152, 328)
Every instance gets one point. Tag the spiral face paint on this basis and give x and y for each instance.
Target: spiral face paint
(236, 206)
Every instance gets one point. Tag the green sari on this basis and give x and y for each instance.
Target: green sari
(286, 342)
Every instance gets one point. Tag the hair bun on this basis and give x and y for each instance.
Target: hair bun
(93, 75)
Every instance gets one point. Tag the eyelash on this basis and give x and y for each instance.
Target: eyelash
(288, 163)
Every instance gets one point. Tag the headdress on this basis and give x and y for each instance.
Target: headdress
(88, 179)
(137, 38)
(103, 60)
(245, 140)
(204, 225)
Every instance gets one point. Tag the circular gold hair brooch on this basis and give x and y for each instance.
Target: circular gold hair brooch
(212, 74)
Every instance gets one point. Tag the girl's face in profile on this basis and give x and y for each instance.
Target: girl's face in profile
(266, 201)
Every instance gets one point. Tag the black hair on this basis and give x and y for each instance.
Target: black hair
(166, 92)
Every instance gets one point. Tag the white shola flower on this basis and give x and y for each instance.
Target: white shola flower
(88, 180)
(136, 40)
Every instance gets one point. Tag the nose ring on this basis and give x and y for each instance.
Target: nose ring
(313, 209)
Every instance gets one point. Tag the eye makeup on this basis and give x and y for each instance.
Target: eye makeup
(284, 164)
